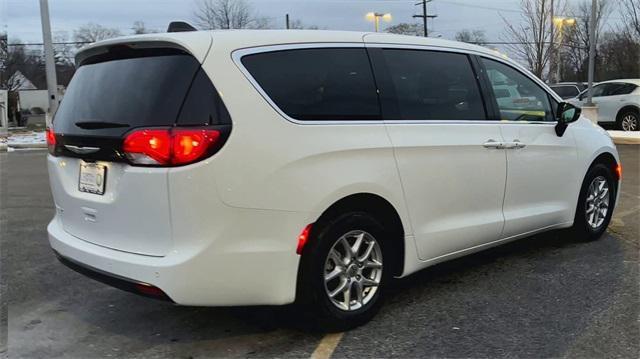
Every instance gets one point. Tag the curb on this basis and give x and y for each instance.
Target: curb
(626, 140)
(28, 145)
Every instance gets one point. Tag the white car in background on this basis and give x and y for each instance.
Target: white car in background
(618, 103)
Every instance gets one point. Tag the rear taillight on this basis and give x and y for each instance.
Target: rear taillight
(51, 140)
(170, 146)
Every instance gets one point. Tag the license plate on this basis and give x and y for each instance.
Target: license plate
(92, 178)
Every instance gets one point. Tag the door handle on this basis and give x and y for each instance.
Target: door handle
(493, 144)
(516, 144)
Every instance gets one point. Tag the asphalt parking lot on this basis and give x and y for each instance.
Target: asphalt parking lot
(543, 296)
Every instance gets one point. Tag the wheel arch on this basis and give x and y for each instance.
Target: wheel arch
(626, 108)
(623, 110)
(609, 160)
(379, 208)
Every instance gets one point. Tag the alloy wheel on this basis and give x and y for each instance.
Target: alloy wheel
(353, 270)
(630, 122)
(597, 202)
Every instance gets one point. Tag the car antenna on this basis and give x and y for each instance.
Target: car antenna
(180, 26)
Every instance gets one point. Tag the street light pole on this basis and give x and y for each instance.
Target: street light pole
(375, 17)
(559, 54)
(592, 51)
(50, 66)
(561, 21)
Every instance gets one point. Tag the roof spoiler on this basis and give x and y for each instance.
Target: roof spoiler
(180, 26)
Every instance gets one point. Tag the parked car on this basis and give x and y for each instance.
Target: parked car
(271, 167)
(568, 90)
(618, 103)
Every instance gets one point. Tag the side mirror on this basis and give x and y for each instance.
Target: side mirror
(567, 113)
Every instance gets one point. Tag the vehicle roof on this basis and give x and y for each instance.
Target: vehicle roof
(630, 81)
(237, 39)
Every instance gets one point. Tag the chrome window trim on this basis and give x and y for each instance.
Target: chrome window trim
(237, 55)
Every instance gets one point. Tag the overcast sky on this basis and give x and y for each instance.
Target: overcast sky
(21, 18)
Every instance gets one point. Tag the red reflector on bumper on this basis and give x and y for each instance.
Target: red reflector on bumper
(303, 237)
(150, 290)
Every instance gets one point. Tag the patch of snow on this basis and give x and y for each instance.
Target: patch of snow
(625, 134)
(27, 138)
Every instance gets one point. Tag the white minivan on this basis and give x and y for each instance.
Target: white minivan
(233, 168)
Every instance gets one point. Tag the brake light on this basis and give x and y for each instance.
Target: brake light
(303, 238)
(51, 139)
(191, 145)
(169, 146)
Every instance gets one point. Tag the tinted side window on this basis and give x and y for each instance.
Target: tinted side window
(526, 101)
(203, 105)
(565, 91)
(599, 90)
(433, 85)
(620, 89)
(318, 84)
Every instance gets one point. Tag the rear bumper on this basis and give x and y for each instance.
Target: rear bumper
(254, 264)
(125, 284)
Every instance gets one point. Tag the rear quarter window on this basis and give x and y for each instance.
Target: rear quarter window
(317, 84)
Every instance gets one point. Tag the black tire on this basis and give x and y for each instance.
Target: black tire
(312, 296)
(581, 229)
(628, 115)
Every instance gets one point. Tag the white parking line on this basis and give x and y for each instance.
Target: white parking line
(326, 346)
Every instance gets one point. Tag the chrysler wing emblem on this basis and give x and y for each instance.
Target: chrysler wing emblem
(82, 150)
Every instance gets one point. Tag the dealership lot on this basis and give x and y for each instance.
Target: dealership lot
(543, 296)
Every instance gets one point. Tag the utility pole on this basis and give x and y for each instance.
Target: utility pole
(286, 17)
(425, 16)
(50, 66)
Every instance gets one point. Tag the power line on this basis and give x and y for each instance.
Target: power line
(506, 10)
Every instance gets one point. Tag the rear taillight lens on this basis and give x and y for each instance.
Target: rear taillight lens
(51, 140)
(169, 146)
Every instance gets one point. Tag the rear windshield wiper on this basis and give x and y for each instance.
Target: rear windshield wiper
(95, 125)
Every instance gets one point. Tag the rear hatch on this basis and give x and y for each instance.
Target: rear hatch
(100, 195)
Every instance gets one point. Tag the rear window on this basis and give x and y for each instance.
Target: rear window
(318, 84)
(110, 96)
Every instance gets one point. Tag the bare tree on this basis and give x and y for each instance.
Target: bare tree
(576, 40)
(631, 16)
(531, 38)
(62, 51)
(14, 61)
(299, 25)
(94, 32)
(227, 14)
(619, 56)
(472, 36)
(406, 29)
(140, 28)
